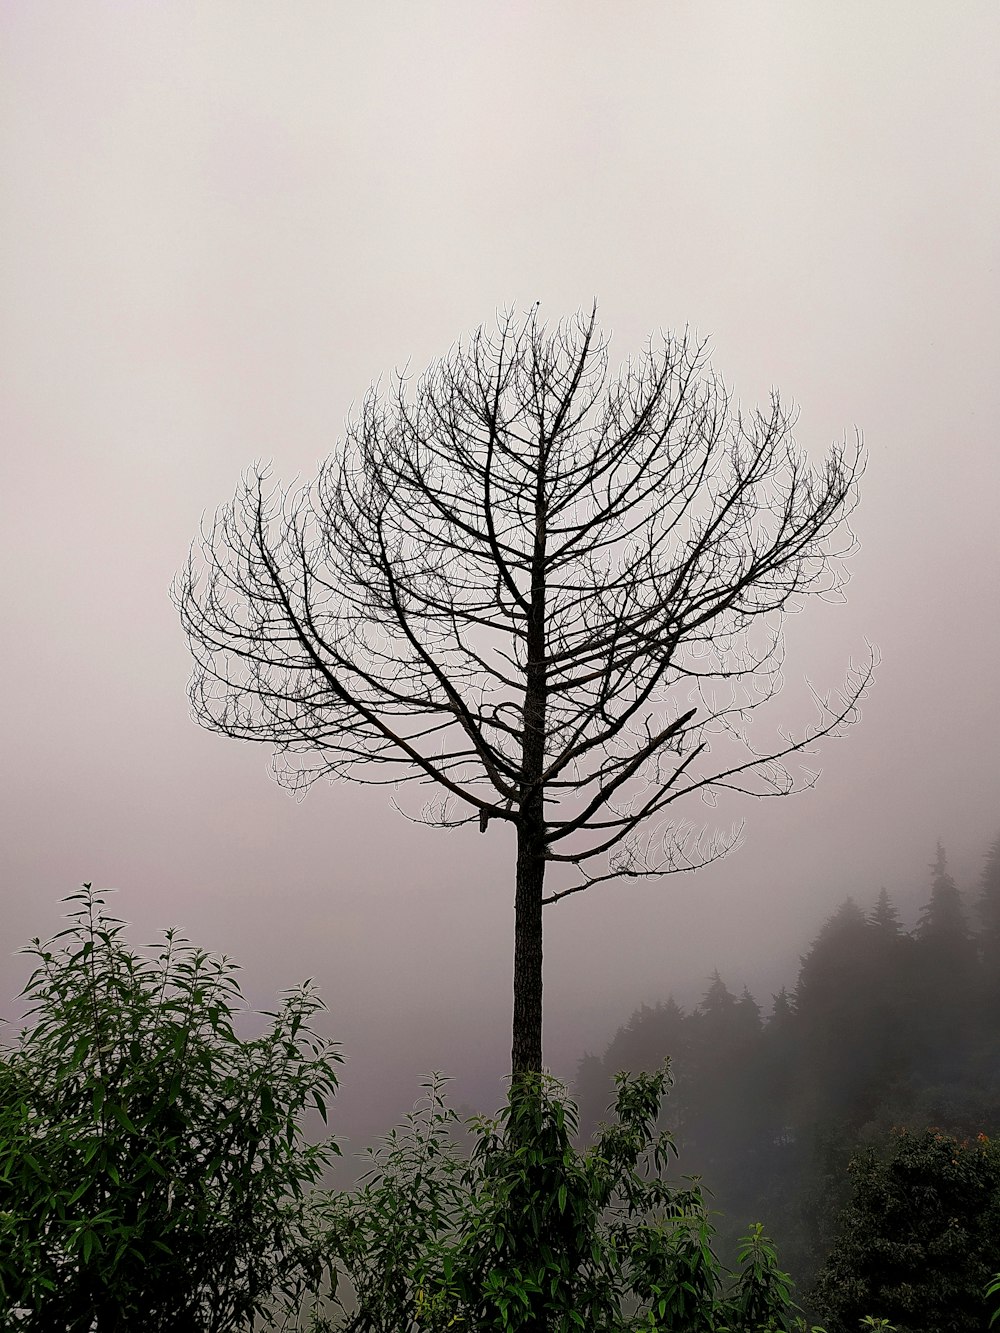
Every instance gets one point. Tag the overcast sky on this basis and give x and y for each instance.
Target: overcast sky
(222, 221)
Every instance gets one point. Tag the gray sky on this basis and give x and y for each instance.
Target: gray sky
(222, 221)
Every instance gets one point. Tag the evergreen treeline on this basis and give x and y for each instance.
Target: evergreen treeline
(885, 1028)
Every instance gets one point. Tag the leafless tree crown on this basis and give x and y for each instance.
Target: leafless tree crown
(526, 576)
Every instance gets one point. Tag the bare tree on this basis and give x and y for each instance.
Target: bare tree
(553, 594)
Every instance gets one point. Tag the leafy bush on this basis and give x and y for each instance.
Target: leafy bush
(530, 1233)
(918, 1241)
(152, 1166)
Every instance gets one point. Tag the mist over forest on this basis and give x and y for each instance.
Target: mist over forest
(885, 1028)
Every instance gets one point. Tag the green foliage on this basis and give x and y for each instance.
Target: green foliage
(153, 1175)
(530, 1233)
(764, 1295)
(152, 1167)
(918, 1239)
(389, 1234)
(993, 1297)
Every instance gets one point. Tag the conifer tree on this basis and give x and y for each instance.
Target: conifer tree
(942, 926)
(834, 958)
(947, 980)
(720, 1103)
(718, 1002)
(885, 915)
(782, 1011)
(651, 1035)
(778, 1059)
(748, 1011)
(832, 1008)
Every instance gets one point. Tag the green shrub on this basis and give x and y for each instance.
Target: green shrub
(152, 1166)
(918, 1240)
(529, 1233)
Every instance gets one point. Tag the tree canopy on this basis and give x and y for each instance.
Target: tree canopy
(550, 592)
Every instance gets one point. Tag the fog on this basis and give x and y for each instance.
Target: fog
(222, 222)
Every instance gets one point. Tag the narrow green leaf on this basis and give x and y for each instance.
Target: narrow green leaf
(121, 1115)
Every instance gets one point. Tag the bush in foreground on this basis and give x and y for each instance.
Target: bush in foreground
(153, 1173)
(529, 1233)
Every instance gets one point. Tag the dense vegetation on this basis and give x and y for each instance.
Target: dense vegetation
(529, 1233)
(154, 1174)
(885, 1029)
(155, 1171)
(919, 1238)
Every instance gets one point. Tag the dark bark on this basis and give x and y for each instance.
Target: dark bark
(526, 1051)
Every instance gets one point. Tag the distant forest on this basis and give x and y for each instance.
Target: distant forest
(885, 1028)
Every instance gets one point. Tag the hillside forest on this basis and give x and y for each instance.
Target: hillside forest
(886, 1029)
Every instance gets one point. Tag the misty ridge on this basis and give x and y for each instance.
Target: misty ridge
(885, 1030)
(547, 595)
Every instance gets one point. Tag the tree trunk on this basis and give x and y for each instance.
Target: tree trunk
(526, 1052)
(526, 1049)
